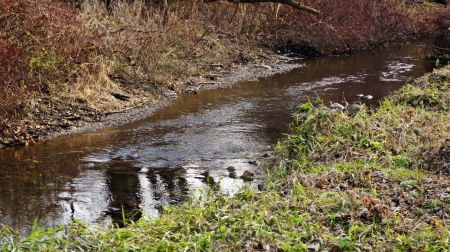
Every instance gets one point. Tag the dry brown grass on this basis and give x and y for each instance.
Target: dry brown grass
(94, 87)
(134, 35)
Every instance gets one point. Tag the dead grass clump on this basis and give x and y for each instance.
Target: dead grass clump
(430, 91)
(94, 87)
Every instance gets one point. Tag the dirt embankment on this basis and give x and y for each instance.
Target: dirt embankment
(53, 118)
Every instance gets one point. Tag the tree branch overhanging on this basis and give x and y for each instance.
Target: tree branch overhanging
(291, 3)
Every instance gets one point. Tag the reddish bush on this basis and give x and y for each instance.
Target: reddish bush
(40, 45)
(435, 26)
(343, 25)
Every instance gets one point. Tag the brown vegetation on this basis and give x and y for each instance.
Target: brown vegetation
(41, 44)
(435, 27)
(342, 27)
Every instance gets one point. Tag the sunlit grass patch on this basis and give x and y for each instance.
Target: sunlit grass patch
(394, 160)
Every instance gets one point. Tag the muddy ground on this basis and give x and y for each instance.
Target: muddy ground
(56, 117)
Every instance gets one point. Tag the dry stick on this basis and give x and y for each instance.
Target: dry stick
(234, 14)
(291, 3)
(374, 53)
(276, 13)
(166, 13)
(440, 48)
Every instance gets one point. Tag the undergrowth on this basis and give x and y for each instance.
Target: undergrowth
(41, 44)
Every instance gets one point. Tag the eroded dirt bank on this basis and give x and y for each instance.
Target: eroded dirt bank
(65, 117)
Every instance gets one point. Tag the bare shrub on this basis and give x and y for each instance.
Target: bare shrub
(342, 26)
(41, 44)
(10, 74)
(164, 52)
(435, 27)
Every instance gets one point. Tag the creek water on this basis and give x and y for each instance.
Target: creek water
(139, 167)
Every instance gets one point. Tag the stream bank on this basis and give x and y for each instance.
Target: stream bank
(63, 117)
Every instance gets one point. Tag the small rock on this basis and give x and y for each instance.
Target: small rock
(131, 157)
(254, 162)
(266, 155)
(368, 97)
(337, 227)
(354, 109)
(262, 187)
(232, 175)
(231, 168)
(360, 95)
(313, 247)
(336, 106)
(247, 176)
(7, 141)
(364, 214)
(427, 180)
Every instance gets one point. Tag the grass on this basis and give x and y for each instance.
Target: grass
(373, 181)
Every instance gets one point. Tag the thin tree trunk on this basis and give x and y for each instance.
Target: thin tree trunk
(166, 12)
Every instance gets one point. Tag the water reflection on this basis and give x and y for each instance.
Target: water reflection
(135, 169)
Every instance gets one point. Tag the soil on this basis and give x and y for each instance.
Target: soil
(51, 118)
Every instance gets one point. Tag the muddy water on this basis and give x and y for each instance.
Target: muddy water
(158, 161)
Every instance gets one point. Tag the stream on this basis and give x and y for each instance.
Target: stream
(137, 168)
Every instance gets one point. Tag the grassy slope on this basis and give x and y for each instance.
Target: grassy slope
(376, 180)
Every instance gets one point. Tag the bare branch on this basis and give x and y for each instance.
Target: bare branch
(291, 3)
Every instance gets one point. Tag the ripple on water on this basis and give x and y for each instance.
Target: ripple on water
(96, 159)
(396, 71)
